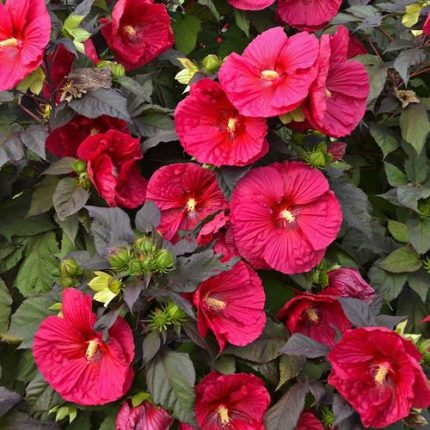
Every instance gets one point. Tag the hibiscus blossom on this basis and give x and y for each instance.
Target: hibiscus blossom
(25, 29)
(186, 194)
(307, 15)
(228, 402)
(273, 75)
(76, 360)
(378, 373)
(317, 316)
(65, 140)
(284, 217)
(347, 282)
(231, 304)
(112, 168)
(308, 421)
(251, 4)
(212, 130)
(138, 32)
(338, 97)
(146, 416)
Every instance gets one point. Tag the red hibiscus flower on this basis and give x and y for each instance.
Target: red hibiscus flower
(231, 304)
(65, 140)
(346, 282)
(25, 29)
(337, 99)
(183, 426)
(426, 319)
(308, 421)
(186, 194)
(138, 32)
(355, 47)
(251, 4)
(378, 373)
(307, 15)
(284, 217)
(113, 169)
(76, 361)
(426, 26)
(212, 130)
(273, 75)
(146, 416)
(319, 317)
(229, 402)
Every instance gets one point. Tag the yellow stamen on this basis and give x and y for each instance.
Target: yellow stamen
(217, 305)
(328, 93)
(288, 216)
(131, 31)
(191, 205)
(92, 348)
(381, 374)
(94, 131)
(223, 415)
(231, 124)
(269, 75)
(312, 315)
(9, 42)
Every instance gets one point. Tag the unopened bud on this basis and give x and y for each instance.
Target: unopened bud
(211, 63)
(70, 267)
(120, 259)
(164, 261)
(79, 166)
(145, 245)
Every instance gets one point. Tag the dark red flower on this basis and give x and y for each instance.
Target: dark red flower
(186, 194)
(317, 316)
(337, 150)
(378, 372)
(308, 421)
(113, 169)
(65, 140)
(211, 129)
(76, 361)
(231, 305)
(338, 97)
(355, 47)
(138, 32)
(231, 402)
(25, 29)
(90, 51)
(426, 25)
(146, 416)
(345, 282)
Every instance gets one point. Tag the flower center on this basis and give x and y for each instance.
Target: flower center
(191, 205)
(288, 216)
(232, 124)
(130, 30)
(9, 42)
(94, 131)
(92, 349)
(381, 373)
(215, 304)
(223, 415)
(312, 314)
(269, 75)
(328, 93)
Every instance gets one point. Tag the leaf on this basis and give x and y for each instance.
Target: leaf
(41, 199)
(298, 344)
(225, 364)
(407, 59)
(34, 138)
(398, 230)
(415, 125)
(160, 136)
(419, 232)
(401, 260)
(5, 307)
(377, 78)
(341, 409)
(148, 217)
(210, 5)
(69, 198)
(27, 318)
(186, 29)
(171, 378)
(110, 227)
(358, 312)
(151, 345)
(290, 366)
(102, 102)
(228, 177)
(391, 284)
(285, 414)
(242, 21)
(143, 92)
(61, 167)
(8, 399)
(39, 270)
(386, 139)
(40, 396)
(395, 176)
(420, 282)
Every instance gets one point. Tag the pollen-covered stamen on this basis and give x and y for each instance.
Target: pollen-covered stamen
(269, 75)
(191, 205)
(130, 30)
(94, 131)
(312, 314)
(328, 93)
(92, 349)
(288, 216)
(381, 373)
(223, 415)
(9, 42)
(215, 304)
(231, 125)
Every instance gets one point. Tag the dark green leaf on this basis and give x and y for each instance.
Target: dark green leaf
(69, 198)
(401, 260)
(5, 307)
(419, 232)
(395, 176)
(386, 139)
(186, 29)
(41, 199)
(415, 125)
(398, 230)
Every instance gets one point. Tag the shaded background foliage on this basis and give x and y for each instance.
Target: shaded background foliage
(383, 185)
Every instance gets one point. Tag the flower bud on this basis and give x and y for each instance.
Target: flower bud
(116, 69)
(211, 63)
(120, 260)
(147, 265)
(135, 267)
(164, 261)
(67, 282)
(145, 245)
(70, 267)
(337, 150)
(79, 167)
(316, 159)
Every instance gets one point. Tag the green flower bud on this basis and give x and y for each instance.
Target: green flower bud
(147, 265)
(79, 167)
(327, 417)
(120, 260)
(67, 282)
(145, 245)
(424, 349)
(316, 159)
(169, 315)
(135, 267)
(176, 315)
(211, 63)
(116, 69)
(70, 267)
(164, 261)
